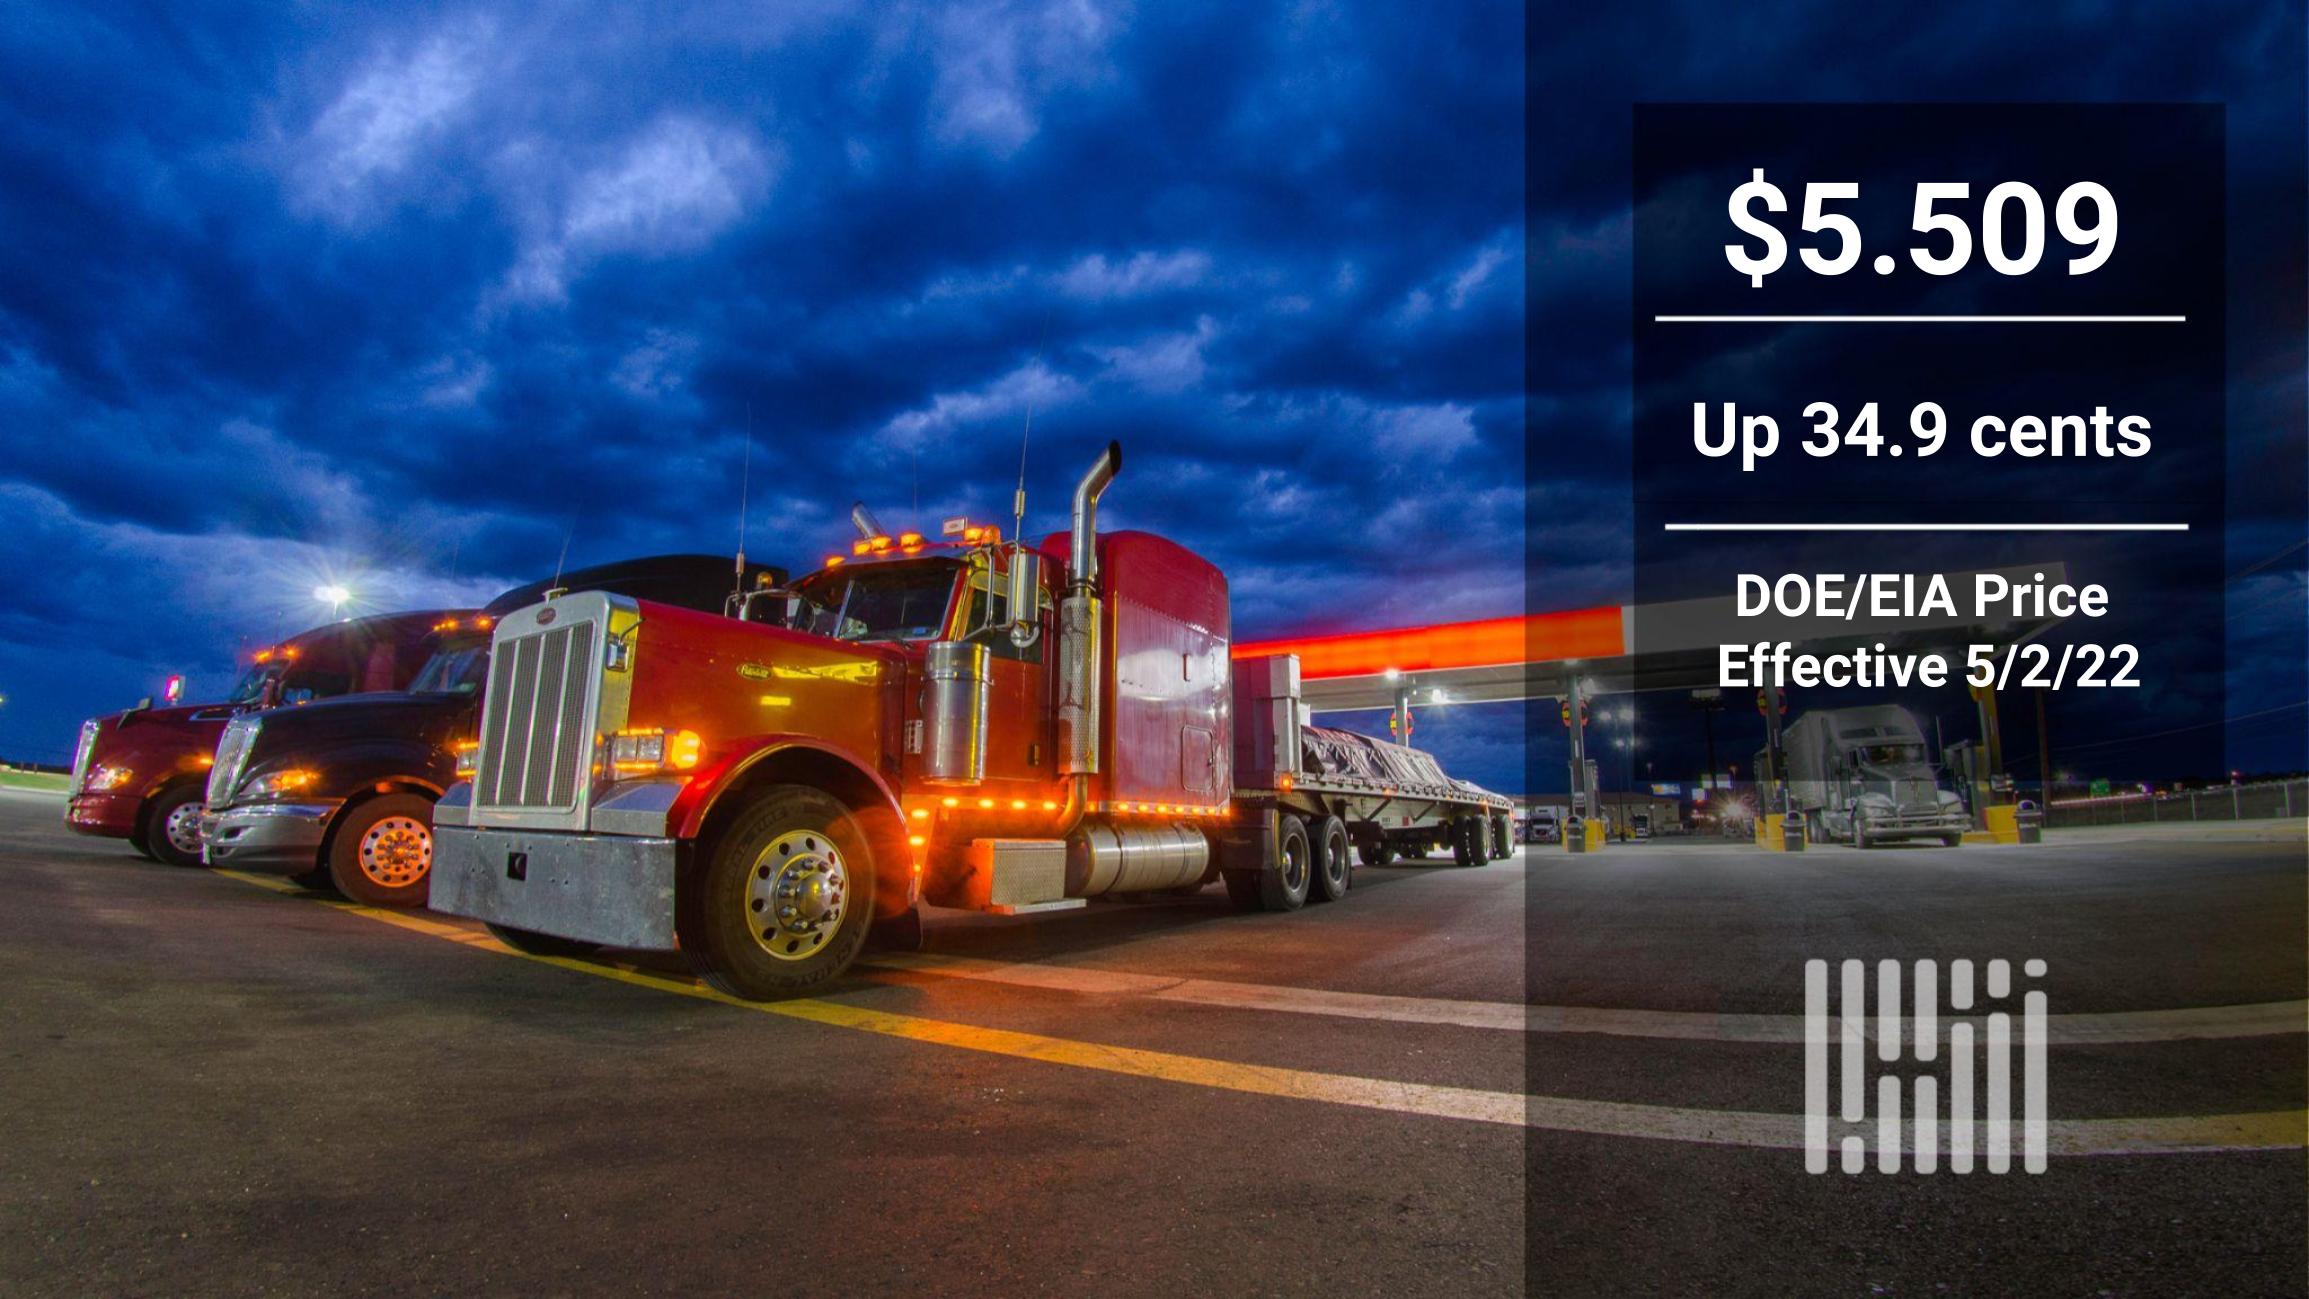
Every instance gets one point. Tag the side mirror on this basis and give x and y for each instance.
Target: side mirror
(1025, 602)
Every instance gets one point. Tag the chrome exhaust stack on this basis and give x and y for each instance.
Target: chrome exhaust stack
(863, 520)
(1082, 556)
(1079, 619)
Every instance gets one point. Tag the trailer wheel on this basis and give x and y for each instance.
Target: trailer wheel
(1334, 871)
(382, 852)
(1285, 887)
(1376, 851)
(784, 903)
(532, 943)
(1463, 841)
(172, 824)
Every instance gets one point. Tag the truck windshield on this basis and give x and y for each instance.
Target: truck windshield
(253, 684)
(456, 668)
(901, 602)
(1890, 755)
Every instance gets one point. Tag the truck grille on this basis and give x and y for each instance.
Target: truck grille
(536, 733)
(232, 754)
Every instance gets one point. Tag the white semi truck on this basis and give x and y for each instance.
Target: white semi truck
(1862, 775)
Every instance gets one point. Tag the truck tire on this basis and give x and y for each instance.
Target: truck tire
(1463, 849)
(784, 902)
(1334, 863)
(1376, 851)
(1951, 840)
(136, 841)
(172, 824)
(1285, 887)
(1860, 837)
(531, 943)
(1502, 838)
(317, 879)
(381, 852)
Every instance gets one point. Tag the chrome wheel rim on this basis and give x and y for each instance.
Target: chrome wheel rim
(1294, 864)
(1335, 862)
(183, 829)
(396, 852)
(796, 895)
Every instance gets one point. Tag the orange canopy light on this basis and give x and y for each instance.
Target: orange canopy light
(1491, 642)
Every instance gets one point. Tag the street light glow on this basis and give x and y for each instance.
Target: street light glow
(331, 594)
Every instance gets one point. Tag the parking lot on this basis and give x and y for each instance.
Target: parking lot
(1576, 1075)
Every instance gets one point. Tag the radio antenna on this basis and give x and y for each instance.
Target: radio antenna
(1018, 499)
(563, 561)
(745, 492)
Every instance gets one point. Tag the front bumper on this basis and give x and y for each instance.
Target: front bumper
(110, 815)
(1904, 825)
(613, 889)
(283, 837)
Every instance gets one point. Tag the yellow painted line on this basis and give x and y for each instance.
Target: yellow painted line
(2286, 1130)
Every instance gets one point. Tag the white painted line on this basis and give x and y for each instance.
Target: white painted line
(1925, 527)
(1919, 320)
(2263, 1020)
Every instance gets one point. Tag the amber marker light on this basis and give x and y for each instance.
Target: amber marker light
(951, 801)
(986, 804)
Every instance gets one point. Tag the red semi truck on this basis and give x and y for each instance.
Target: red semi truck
(141, 775)
(975, 724)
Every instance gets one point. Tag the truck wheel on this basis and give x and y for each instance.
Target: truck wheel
(382, 852)
(1285, 887)
(532, 943)
(1334, 871)
(1860, 837)
(1951, 840)
(136, 841)
(786, 900)
(1376, 851)
(172, 824)
(316, 879)
(1502, 838)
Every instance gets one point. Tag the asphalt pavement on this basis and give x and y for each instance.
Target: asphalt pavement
(1550, 1075)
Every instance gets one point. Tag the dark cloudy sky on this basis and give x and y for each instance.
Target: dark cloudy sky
(290, 293)
(405, 295)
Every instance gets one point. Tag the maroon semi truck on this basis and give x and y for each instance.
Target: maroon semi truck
(141, 775)
(974, 723)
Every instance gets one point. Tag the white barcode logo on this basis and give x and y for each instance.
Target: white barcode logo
(1916, 1127)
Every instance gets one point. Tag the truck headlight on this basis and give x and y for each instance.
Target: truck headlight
(106, 778)
(641, 751)
(273, 786)
(468, 758)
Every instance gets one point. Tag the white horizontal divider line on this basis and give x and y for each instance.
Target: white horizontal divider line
(1918, 320)
(1925, 527)
(2261, 1020)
